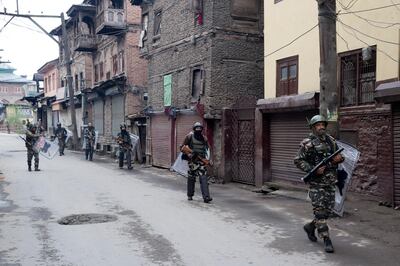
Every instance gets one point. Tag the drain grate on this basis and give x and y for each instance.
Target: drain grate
(90, 218)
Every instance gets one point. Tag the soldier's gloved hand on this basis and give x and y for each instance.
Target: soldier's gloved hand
(194, 155)
(337, 159)
(321, 170)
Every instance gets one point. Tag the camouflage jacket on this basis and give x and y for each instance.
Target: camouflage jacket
(312, 151)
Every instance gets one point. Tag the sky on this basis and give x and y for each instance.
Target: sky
(24, 44)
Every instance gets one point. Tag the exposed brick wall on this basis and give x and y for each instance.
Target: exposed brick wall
(374, 172)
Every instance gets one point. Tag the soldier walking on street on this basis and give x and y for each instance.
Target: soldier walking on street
(195, 150)
(90, 137)
(125, 147)
(32, 137)
(61, 134)
(313, 150)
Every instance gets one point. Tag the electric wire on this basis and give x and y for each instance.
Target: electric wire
(369, 21)
(359, 39)
(370, 9)
(295, 39)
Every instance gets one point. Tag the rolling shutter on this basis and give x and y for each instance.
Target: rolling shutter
(161, 141)
(396, 155)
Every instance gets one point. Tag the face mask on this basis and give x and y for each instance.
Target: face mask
(197, 134)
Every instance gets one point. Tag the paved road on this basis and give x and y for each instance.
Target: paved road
(155, 223)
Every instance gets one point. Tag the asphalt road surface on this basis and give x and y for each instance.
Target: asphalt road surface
(151, 222)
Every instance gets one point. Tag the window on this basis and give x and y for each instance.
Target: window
(96, 73)
(167, 84)
(157, 22)
(76, 82)
(245, 9)
(115, 64)
(101, 70)
(287, 76)
(357, 77)
(121, 61)
(197, 8)
(81, 81)
(197, 84)
(143, 33)
(62, 83)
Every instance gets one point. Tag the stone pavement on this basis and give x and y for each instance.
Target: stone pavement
(363, 215)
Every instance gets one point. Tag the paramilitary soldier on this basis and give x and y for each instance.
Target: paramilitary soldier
(125, 147)
(61, 134)
(314, 149)
(32, 137)
(90, 137)
(197, 157)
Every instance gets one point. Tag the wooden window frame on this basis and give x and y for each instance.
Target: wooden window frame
(157, 31)
(279, 63)
(358, 93)
(194, 69)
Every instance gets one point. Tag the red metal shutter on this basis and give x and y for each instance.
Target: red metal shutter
(184, 124)
(396, 155)
(287, 131)
(161, 140)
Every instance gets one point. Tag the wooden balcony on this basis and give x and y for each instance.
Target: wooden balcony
(111, 22)
(85, 43)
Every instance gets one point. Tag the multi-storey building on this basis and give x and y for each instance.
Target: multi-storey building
(51, 102)
(14, 110)
(205, 62)
(367, 56)
(109, 78)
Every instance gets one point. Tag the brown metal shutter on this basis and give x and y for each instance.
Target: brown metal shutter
(287, 131)
(184, 124)
(396, 157)
(161, 140)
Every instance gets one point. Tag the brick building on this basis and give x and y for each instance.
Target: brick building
(368, 56)
(109, 77)
(205, 60)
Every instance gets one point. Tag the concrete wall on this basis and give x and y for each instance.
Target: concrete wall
(372, 131)
(284, 24)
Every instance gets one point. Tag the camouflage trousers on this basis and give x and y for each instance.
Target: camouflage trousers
(199, 171)
(61, 145)
(323, 201)
(31, 153)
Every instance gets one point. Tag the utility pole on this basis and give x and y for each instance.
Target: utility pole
(329, 99)
(67, 61)
(66, 55)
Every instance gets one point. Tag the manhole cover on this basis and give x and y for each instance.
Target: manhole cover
(91, 218)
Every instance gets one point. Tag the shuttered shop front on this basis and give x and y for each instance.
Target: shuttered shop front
(98, 107)
(184, 124)
(286, 132)
(117, 113)
(396, 161)
(161, 148)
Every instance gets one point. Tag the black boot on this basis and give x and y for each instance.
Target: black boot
(29, 168)
(310, 230)
(207, 199)
(328, 245)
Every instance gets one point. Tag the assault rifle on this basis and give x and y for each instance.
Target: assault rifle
(194, 156)
(124, 145)
(26, 142)
(310, 175)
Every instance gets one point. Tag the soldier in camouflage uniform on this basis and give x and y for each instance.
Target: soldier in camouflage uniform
(198, 143)
(90, 138)
(125, 147)
(31, 138)
(61, 134)
(314, 149)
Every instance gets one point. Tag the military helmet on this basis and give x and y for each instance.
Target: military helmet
(316, 119)
(197, 124)
(122, 125)
(59, 124)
